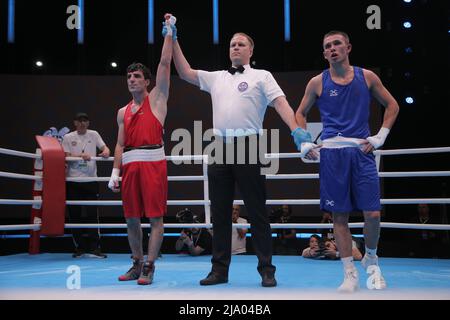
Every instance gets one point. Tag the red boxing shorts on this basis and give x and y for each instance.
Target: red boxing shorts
(144, 183)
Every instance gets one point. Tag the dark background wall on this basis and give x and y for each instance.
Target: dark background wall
(79, 77)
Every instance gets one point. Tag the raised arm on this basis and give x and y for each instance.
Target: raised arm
(163, 71)
(182, 65)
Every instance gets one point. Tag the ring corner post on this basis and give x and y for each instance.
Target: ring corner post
(54, 186)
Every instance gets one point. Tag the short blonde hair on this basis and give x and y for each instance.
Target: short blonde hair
(250, 40)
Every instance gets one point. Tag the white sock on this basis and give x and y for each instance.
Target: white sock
(372, 253)
(348, 263)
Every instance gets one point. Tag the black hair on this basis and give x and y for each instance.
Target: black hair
(136, 66)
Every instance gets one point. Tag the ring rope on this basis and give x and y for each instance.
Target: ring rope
(268, 155)
(20, 153)
(239, 202)
(392, 174)
(389, 225)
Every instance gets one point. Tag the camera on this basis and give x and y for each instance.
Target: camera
(185, 216)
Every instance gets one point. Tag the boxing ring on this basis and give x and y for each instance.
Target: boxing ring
(50, 276)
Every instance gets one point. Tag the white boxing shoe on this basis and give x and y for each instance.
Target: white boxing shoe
(351, 281)
(375, 281)
(368, 261)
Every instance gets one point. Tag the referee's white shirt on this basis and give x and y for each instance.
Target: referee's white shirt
(239, 101)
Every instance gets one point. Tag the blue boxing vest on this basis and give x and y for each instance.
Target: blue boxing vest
(344, 109)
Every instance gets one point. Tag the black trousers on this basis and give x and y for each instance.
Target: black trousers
(252, 185)
(84, 239)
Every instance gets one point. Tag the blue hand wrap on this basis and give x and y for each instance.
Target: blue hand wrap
(174, 31)
(300, 135)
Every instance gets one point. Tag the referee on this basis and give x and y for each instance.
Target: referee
(240, 97)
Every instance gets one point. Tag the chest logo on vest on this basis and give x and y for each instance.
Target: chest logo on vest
(333, 93)
(73, 143)
(243, 86)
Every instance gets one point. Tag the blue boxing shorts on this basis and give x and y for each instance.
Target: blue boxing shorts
(348, 180)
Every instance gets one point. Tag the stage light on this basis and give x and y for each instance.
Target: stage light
(114, 64)
(80, 31)
(408, 50)
(407, 25)
(287, 20)
(215, 5)
(39, 64)
(409, 100)
(407, 1)
(151, 21)
(11, 20)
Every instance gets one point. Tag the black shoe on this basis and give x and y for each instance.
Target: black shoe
(213, 278)
(97, 254)
(78, 253)
(268, 280)
(146, 277)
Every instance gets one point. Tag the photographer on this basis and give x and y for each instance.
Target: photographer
(327, 217)
(315, 249)
(331, 251)
(238, 235)
(286, 242)
(193, 241)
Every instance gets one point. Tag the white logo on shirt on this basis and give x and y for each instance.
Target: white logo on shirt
(329, 203)
(333, 93)
(243, 86)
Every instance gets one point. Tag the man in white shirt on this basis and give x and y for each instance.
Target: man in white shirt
(240, 97)
(84, 143)
(238, 235)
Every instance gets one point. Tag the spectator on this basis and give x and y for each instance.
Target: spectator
(313, 251)
(238, 235)
(331, 251)
(84, 143)
(327, 217)
(424, 243)
(193, 241)
(286, 242)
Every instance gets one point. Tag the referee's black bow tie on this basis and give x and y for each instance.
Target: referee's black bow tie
(233, 70)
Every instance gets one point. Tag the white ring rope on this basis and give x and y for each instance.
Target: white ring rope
(268, 155)
(390, 225)
(377, 152)
(20, 227)
(305, 176)
(19, 176)
(239, 202)
(20, 153)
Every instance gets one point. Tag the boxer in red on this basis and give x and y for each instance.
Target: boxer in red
(140, 153)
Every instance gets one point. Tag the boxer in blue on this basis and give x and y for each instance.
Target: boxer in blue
(348, 173)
